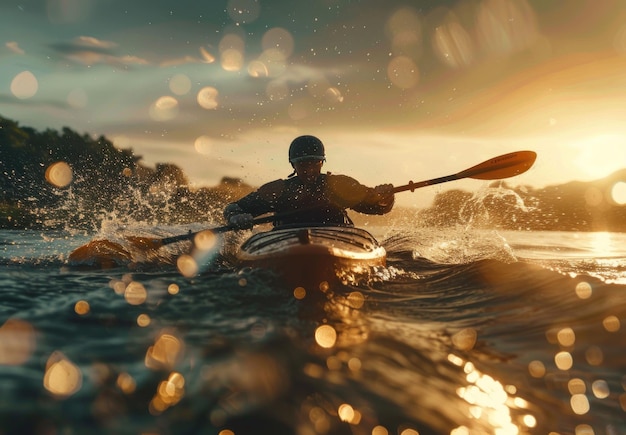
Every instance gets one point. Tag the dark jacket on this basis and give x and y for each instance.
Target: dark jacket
(324, 202)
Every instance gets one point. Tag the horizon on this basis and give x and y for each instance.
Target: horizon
(417, 92)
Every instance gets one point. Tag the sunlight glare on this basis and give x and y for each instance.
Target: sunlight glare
(590, 155)
(618, 193)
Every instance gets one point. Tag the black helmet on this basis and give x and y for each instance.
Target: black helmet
(306, 148)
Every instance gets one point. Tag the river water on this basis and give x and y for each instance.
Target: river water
(464, 332)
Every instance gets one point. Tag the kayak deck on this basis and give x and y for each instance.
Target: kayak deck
(313, 257)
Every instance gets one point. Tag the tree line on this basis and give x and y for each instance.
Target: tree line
(104, 180)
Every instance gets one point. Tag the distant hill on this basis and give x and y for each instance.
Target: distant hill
(55, 179)
(574, 206)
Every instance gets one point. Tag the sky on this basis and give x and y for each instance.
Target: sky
(398, 91)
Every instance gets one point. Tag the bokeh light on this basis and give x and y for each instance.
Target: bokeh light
(164, 108)
(203, 145)
(81, 308)
(17, 342)
(62, 377)
(187, 265)
(618, 193)
(165, 353)
(326, 336)
(59, 174)
(207, 98)
(180, 84)
(24, 85)
(135, 293)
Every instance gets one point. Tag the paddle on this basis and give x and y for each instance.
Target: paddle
(497, 168)
(148, 243)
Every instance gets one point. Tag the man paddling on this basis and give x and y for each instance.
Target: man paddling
(307, 196)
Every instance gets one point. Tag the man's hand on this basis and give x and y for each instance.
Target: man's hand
(385, 193)
(242, 221)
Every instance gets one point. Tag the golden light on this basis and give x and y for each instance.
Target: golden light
(299, 293)
(579, 404)
(143, 320)
(207, 57)
(17, 342)
(465, 339)
(256, 68)
(600, 389)
(563, 360)
(583, 290)
(59, 174)
(62, 378)
(274, 62)
(333, 95)
(207, 98)
(488, 399)
(126, 383)
(205, 240)
(203, 145)
(168, 393)
(618, 193)
(346, 413)
(165, 353)
(232, 60)
(591, 155)
(356, 299)
(187, 265)
(135, 293)
(566, 337)
(164, 108)
(354, 364)
(81, 307)
(529, 420)
(24, 85)
(576, 386)
(611, 324)
(173, 289)
(326, 336)
(380, 430)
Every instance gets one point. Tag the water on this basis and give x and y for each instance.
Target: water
(465, 331)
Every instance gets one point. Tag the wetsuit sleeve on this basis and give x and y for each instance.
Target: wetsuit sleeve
(258, 202)
(348, 193)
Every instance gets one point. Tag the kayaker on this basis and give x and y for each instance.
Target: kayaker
(307, 196)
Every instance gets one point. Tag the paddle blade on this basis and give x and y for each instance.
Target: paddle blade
(504, 166)
(101, 254)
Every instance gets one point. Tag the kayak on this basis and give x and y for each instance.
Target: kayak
(313, 257)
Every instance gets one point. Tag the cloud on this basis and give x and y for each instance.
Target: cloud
(87, 50)
(14, 47)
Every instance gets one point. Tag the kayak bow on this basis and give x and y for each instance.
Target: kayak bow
(313, 257)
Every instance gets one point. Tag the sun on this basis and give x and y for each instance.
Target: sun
(599, 156)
